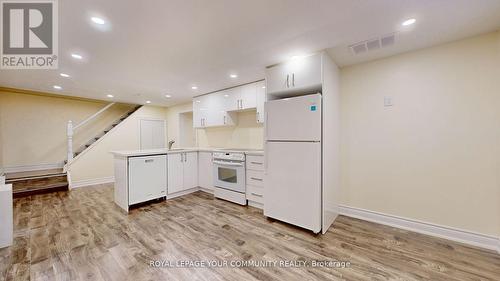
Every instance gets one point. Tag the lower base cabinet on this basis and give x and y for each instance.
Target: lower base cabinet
(182, 171)
(205, 170)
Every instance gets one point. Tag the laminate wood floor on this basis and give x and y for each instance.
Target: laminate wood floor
(82, 235)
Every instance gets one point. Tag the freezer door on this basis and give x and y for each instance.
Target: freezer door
(292, 191)
(294, 119)
(147, 178)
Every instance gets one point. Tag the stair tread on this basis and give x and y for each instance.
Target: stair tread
(30, 174)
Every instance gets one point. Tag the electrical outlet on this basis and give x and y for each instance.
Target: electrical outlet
(388, 101)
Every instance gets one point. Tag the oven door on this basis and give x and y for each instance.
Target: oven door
(229, 175)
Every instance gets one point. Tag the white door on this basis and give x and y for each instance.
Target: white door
(292, 186)
(152, 134)
(205, 170)
(190, 175)
(294, 119)
(248, 97)
(147, 178)
(175, 173)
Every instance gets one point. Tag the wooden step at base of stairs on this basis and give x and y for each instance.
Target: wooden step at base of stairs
(39, 185)
(33, 174)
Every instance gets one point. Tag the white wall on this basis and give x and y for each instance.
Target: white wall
(97, 162)
(435, 155)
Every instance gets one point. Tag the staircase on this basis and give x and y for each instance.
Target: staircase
(53, 180)
(96, 138)
(37, 182)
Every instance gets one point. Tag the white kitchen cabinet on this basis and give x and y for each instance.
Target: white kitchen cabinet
(231, 99)
(297, 75)
(260, 100)
(248, 98)
(200, 111)
(190, 172)
(255, 180)
(219, 109)
(182, 171)
(205, 170)
(147, 178)
(209, 111)
(175, 173)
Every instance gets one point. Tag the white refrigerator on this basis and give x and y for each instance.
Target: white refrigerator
(293, 161)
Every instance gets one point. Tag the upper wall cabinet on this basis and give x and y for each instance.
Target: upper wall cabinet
(260, 100)
(297, 75)
(219, 108)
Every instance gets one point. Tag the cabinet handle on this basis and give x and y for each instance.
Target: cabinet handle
(149, 160)
(256, 163)
(224, 119)
(293, 79)
(255, 194)
(287, 83)
(256, 179)
(257, 113)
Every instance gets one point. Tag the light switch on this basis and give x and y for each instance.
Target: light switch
(388, 101)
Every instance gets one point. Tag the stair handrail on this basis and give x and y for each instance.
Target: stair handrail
(70, 129)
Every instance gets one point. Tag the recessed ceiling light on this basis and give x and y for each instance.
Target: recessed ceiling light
(408, 22)
(148, 101)
(76, 56)
(194, 87)
(263, 87)
(168, 96)
(233, 76)
(57, 87)
(64, 75)
(98, 20)
(226, 96)
(110, 96)
(198, 101)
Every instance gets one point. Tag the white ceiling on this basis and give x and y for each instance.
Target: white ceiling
(157, 47)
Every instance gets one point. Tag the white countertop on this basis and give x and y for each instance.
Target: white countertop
(146, 152)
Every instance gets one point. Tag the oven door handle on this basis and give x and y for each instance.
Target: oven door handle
(227, 163)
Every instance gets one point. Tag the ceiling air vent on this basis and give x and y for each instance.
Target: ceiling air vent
(373, 44)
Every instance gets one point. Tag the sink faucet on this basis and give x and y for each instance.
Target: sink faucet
(170, 143)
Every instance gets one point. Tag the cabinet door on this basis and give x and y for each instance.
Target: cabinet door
(305, 72)
(175, 173)
(190, 174)
(260, 99)
(277, 78)
(200, 112)
(205, 170)
(248, 96)
(231, 99)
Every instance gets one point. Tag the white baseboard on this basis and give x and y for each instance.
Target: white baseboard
(207, 190)
(29, 168)
(83, 183)
(454, 234)
(181, 193)
(255, 204)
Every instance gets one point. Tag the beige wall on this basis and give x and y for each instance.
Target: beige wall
(33, 127)
(246, 134)
(173, 121)
(435, 155)
(97, 163)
